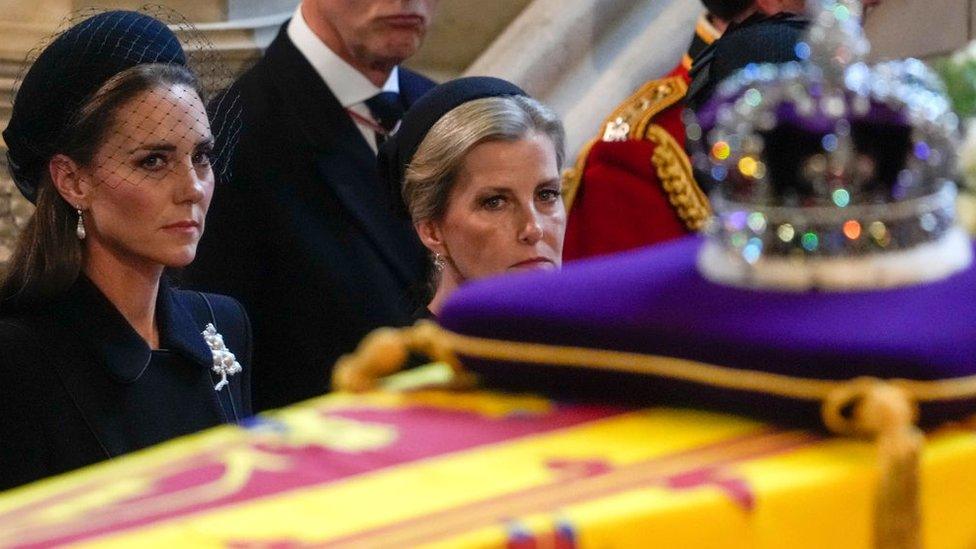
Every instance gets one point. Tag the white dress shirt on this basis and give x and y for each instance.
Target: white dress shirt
(350, 87)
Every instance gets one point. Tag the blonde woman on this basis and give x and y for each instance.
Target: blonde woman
(478, 165)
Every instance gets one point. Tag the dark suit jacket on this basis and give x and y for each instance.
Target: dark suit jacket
(78, 385)
(305, 233)
(758, 39)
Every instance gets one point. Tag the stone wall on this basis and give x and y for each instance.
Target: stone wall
(584, 57)
(920, 28)
(462, 31)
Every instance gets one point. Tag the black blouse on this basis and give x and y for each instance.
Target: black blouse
(423, 313)
(78, 385)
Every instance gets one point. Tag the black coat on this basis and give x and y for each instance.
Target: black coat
(758, 39)
(305, 234)
(79, 385)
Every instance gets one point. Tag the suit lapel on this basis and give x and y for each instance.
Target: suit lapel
(179, 331)
(100, 357)
(371, 207)
(343, 160)
(315, 111)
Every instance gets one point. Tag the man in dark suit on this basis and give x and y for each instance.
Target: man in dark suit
(304, 233)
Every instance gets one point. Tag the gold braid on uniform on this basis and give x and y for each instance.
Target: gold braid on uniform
(626, 122)
(633, 119)
(674, 171)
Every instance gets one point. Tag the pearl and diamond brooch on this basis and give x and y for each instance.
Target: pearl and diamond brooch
(224, 361)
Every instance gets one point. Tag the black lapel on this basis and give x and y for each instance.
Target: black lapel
(370, 204)
(344, 161)
(178, 330)
(111, 339)
(116, 344)
(98, 354)
(697, 46)
(314, 108)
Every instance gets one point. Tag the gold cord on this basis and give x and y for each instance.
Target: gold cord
(883, 410)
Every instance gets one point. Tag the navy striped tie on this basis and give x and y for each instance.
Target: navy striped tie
(387, 110)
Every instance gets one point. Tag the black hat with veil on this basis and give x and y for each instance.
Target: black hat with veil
(68, 70)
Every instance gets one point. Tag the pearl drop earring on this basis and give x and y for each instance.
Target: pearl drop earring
(80, 228)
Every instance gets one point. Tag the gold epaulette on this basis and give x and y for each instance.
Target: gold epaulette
(633, 119)
(572, 177)
(628, 121)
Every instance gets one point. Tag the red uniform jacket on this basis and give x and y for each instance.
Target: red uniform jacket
(633, 186)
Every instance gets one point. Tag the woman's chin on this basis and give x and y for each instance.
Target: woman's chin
(534, 266)
(177, 259)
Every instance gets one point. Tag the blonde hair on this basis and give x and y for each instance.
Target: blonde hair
(431, 174)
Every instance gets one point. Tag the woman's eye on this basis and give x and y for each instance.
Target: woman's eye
(153, 162)
(202, 158)
(550, 195)
(493, 202)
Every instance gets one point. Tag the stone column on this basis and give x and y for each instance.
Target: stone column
(924, 29)
(586, 56)
(462, 30)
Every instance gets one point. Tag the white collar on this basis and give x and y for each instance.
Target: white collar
(349, 85)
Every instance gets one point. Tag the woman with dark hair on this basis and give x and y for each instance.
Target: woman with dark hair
(99, 355)
(478, 163)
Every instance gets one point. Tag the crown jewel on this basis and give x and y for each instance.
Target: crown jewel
(829, 172)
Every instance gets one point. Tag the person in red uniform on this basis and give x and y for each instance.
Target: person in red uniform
(633, 185)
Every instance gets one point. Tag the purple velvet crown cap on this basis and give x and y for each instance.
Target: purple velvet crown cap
(813, 120)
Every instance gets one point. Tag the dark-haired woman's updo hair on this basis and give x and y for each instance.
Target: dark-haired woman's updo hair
(48, 256)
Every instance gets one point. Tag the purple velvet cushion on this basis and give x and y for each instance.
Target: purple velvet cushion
(653, 301)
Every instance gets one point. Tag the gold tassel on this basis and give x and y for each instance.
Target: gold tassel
(887, 414)
(385, 351)
(867, 407)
